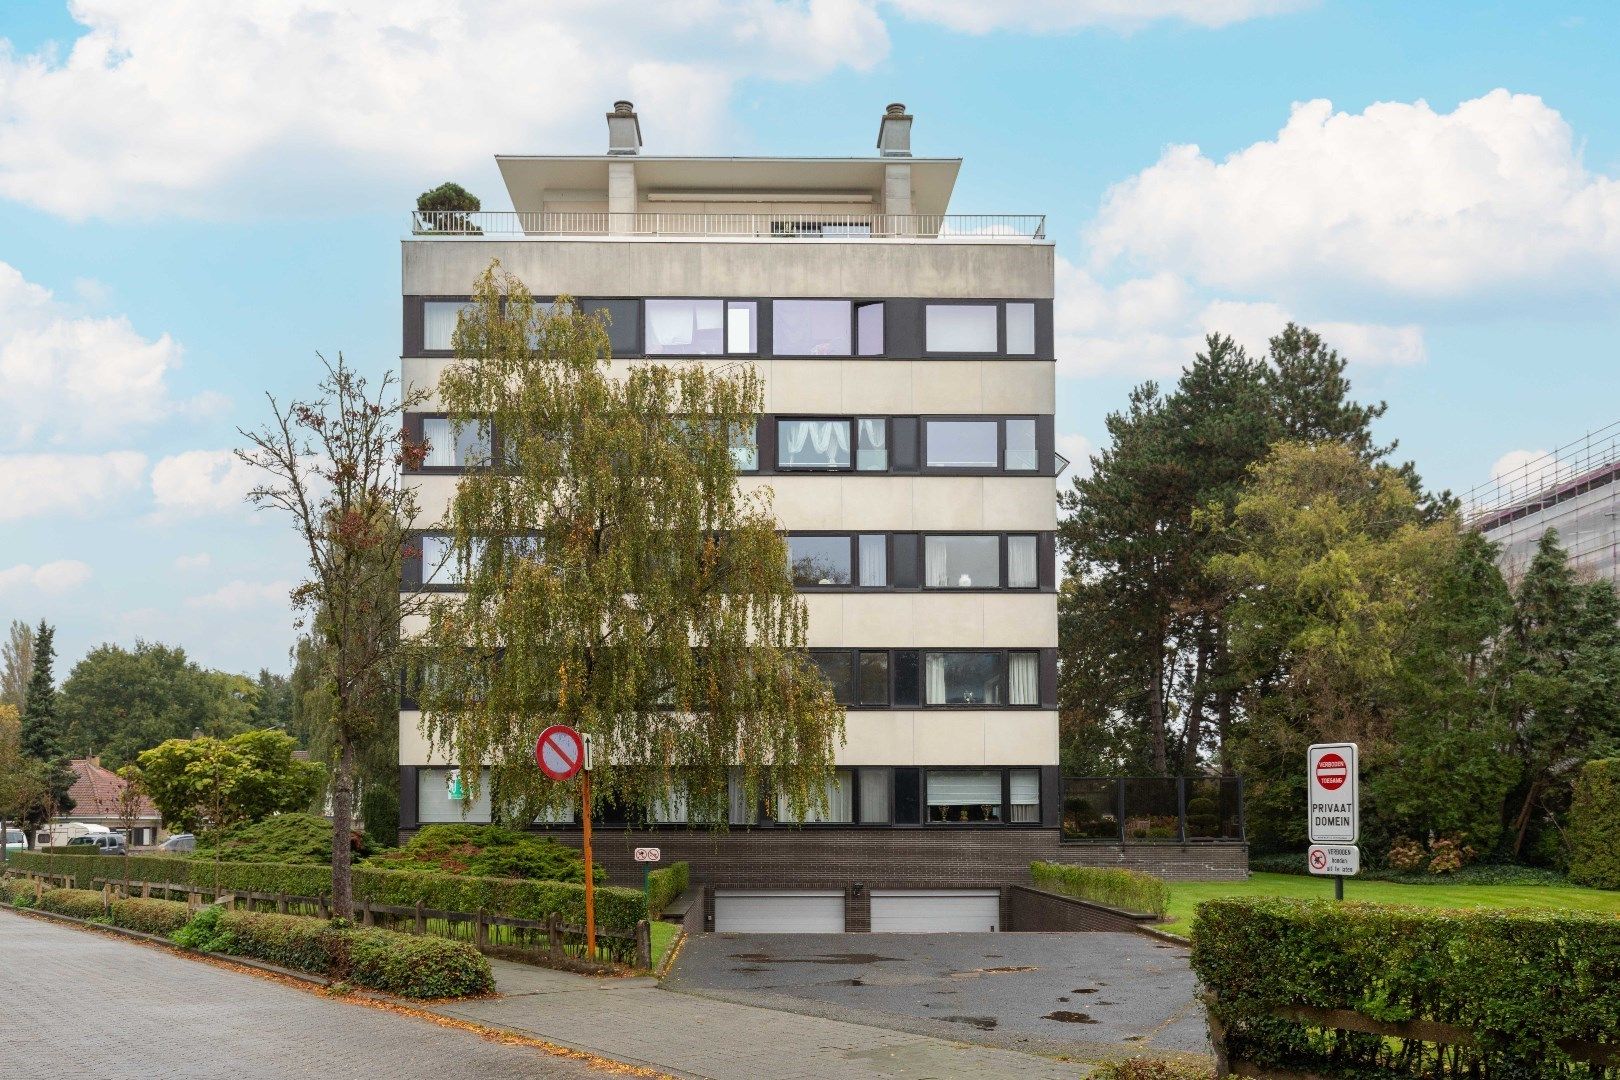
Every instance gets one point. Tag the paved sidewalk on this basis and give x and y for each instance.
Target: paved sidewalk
(633, 1021)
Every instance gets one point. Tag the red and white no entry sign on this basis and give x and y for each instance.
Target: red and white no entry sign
(560, 752)
(1331, 771)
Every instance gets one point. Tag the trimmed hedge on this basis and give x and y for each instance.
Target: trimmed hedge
(1594, 825)
(617, 909)
(79, 903)
(665, 884)
(403, 964)
(1127, 890)
(161, 917)
(1517, 982)
(18, 892)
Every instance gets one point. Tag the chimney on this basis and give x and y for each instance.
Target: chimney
(624, 130)
(894, 134)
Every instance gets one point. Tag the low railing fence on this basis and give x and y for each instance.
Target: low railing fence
(776, 226)
(546, 941)
(1152, 809)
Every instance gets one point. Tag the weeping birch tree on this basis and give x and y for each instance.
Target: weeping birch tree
(616, 578)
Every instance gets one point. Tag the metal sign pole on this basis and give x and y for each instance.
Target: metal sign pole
(590, 877)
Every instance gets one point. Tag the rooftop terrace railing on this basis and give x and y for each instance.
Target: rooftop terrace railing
(794, 226)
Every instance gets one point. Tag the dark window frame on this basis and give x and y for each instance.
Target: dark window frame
(855, 304)
(776, 433)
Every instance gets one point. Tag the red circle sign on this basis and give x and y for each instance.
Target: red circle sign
(559, 751)
(1331, 771)
(1319, 858)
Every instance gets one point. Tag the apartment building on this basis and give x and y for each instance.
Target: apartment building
(907, 355)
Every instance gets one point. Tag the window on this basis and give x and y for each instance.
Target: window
(812, 444)
(742, 326)
(439, 565)
(439, 323)
(964, 797)
(1021, 563)
(907, 677)
(872, 444)
(450, 449)
(874, 796)
(810, 327)
(1021, 446)
(834, 665)
(962, 678)
(869, 329)
(907, 796)
(1023, 678)
(685, 327)
(745, 448)
(819, 560)
(624, 323)
(743, 810)
(1020, 329)
(441, 794)
(874, 678)
(964, 328)
(840, 792)
(1024, 796)
(874, 560)
(961, 444)
(962, 562)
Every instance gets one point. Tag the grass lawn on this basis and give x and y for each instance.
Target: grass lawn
(1185, 895)
(663, 935)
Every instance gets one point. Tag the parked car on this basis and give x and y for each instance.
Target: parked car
(182, 841)
(105, 843)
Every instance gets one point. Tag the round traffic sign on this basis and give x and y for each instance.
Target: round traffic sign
(559, 751)
(1331, 772)
(1318, 859)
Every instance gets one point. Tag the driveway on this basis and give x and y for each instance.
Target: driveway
(1036, 992)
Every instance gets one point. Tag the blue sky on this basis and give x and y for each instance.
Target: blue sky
(195, 197)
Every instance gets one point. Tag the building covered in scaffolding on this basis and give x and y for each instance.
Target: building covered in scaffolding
(1574, 489)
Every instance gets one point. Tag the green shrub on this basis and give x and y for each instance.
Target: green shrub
(18, 892)
(421, 967)
(161, 917)
(488, 851)
(1594, 825)
(665, 884)
(1151, 1069)
(379, 808)
(204, 932)
(1406, 855)
(293, 839)
(1124, 889)
(79, 903)
(1517, 982)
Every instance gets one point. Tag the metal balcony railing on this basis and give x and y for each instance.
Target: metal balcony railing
(1150, 809)
(515, 223)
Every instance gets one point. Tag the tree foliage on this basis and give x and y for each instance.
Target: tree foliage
(207, 785)
(447, 196)
(616, 577)
(16, 664)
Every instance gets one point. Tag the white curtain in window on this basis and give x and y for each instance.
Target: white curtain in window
(439, 322)
(964, 788)
(1021, 562)
(671, 325)
(936, 565)
(875, 796)
(438, 562)
(872, 444)
(934, 678)
(1023, 678)
(840, 803)
(1024, 786)
(671, 808)
(874, 549)
(440, 437)
(742, 811)
(828, 438)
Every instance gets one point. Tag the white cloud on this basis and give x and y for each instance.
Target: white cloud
(1078, 449)
(193, 564)
(1150, 327)
(66, 377)
(981, 16)
(39, 485)
(201, 482)
(195, 107)
(57, 577)
(244, 596)
(1399, 202)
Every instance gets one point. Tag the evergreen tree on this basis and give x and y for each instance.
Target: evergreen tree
(43, 738)
(1310, 396)
(16, 665)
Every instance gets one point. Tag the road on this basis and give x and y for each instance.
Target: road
(81, 1004)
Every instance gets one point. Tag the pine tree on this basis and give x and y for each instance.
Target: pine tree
(42, 734)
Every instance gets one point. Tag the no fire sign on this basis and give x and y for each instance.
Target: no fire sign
(1332, 784)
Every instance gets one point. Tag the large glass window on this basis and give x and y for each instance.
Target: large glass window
(1022, 563)
(874, 678)
(743, 810)
(685, 327)
(1021, 445)
(965, 328)
(450, 449)
(819, 560)
(439, 565)
(963, 678)
(439, 322)
(961, 444)
(624, 323)
(441, 796)
(742, 326)
(869, 329)
(1024, 796)
(874, 796)
(1023, 678)
(745, 448)
(872, 444)
(962, 562)
(813, 444)
(835, 667)
(874, 552)
(810, 327)
(840, 793)
(1020, 329)
(964, 797)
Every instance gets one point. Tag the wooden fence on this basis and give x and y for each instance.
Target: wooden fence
(547, 941)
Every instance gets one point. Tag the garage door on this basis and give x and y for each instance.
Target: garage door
(935, 911)
(749, 911)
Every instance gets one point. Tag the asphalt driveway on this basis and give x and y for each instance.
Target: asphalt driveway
(1038, 992)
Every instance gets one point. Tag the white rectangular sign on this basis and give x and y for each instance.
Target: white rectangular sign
(1334, 860)
(1332, 785)
(648, 854)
